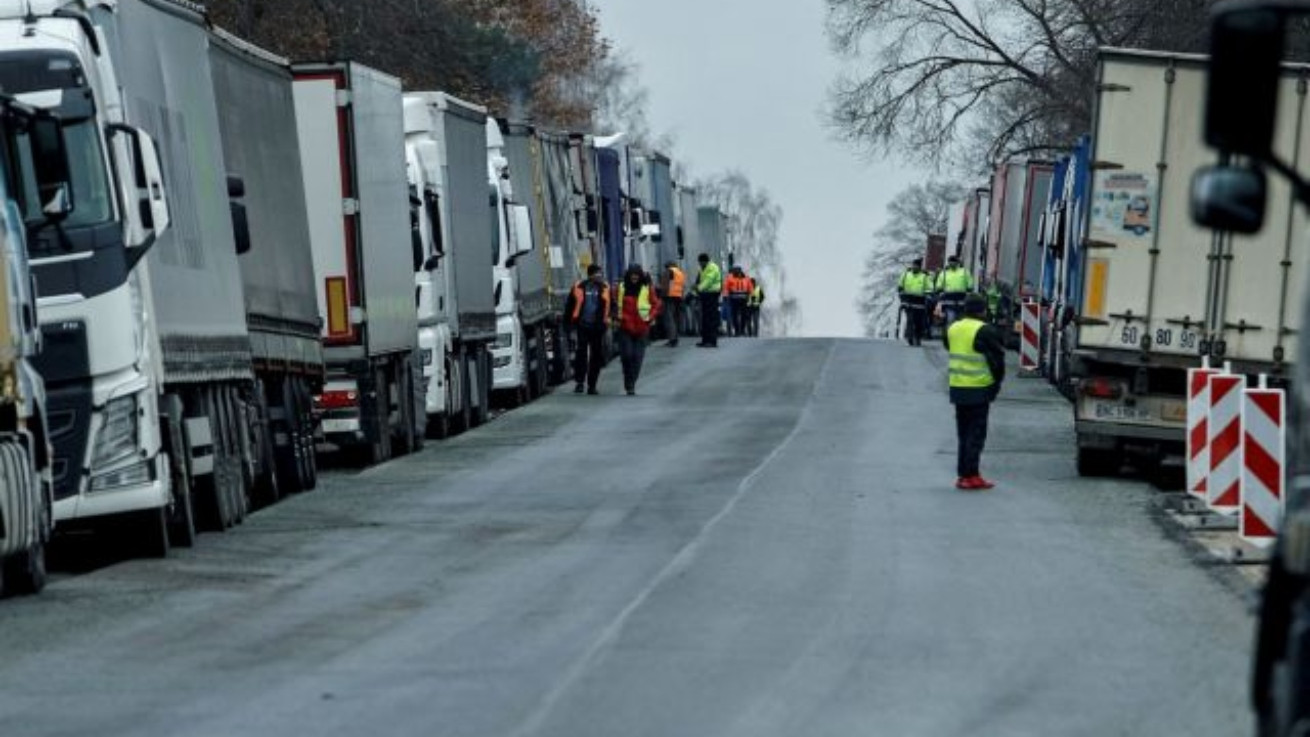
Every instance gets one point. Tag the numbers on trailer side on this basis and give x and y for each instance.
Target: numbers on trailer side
(1128, 336)
(1187, 339)
(1164, 337)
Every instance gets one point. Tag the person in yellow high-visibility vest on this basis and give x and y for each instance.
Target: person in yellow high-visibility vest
(976, 370)
(638, 309)
(953, 283)
(913, 289)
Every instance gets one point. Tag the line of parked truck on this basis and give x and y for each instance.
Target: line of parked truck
(218, 263)
(1132, 293)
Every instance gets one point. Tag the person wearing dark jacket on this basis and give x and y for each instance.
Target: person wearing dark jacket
(977, 368)
(638, 308)
(589, 311)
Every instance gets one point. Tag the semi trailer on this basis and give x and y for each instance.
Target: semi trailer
(351, 133)
(455, 213)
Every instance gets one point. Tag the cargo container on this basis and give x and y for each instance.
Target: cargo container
(352, 152)
(456, 254)
(1159, 292)
(261, 153)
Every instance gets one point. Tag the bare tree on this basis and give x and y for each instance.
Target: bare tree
(914, 214)
(754, 220)
(1015, 75)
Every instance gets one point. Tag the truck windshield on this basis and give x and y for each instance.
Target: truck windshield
(26, 72)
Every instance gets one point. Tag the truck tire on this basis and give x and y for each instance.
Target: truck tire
(307, 457)
(482, 364)
(406, 436)
(460, 419)
(182, 518)
(379, 451)
(1095, 462)
(212, 499)
(25, 573)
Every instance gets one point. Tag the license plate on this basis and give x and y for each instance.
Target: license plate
(1111, 411)
(336, 426)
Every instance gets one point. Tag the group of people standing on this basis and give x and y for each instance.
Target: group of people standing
(976, 365)
(921, 291)
(639, 307)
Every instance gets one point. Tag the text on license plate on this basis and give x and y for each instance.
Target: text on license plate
(1112, 411)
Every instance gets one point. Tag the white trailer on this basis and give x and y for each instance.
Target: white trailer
(352, 150)
(1158, 291)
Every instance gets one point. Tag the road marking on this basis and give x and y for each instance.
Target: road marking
(608, 636)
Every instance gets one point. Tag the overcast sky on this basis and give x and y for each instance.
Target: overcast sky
(741, 84)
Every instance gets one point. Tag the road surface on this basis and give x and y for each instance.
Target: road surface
(765, 541)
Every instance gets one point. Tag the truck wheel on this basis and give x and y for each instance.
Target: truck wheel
(212, 512)
(379, 451)
(25, 573)
(482, 364)
(182, 520)
(439, 425)
(405, 441)
(460, 419)
(307, 456)
(1094, 462)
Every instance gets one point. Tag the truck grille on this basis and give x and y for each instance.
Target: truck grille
(69, 418)
(64, 353)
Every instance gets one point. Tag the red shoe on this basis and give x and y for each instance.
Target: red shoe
(981, 483)
(965, 484)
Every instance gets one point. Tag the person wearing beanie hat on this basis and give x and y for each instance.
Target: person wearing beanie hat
(976, 370)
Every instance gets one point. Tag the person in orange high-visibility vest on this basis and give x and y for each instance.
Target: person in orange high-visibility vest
(674, 290)
(737, 287)
(589, 314)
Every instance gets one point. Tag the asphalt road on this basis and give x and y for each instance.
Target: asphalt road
(765, 541)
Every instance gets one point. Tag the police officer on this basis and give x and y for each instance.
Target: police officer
(708, 285)
(952, 284)
(913, 290)
(977, 368)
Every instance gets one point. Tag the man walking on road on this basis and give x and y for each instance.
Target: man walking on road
(738, 288)
(590, 317)
(675, 287)
(638, 309)
(977, 368)
(708, 285)
(753, 308)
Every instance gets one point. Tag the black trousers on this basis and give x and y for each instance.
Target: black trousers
(632, 352)
(971, 431)
(709, 319)
(739, 317)
(673, 318)
(916, 318)
(590, 356)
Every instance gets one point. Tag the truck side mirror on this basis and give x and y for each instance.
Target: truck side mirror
(521, 242)
(236, 189)
(1246, 49)
(1229, 198)
(146, 212)
(51, 170)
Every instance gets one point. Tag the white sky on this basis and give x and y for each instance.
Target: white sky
(741, 84)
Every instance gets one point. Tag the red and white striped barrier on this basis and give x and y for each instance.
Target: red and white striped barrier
(1224, 487)
(1264, 453)
(1198, 430)
(1030, 344)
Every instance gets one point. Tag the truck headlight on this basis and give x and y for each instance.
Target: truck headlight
(118, 436)
(504, 340)
(133, 475)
